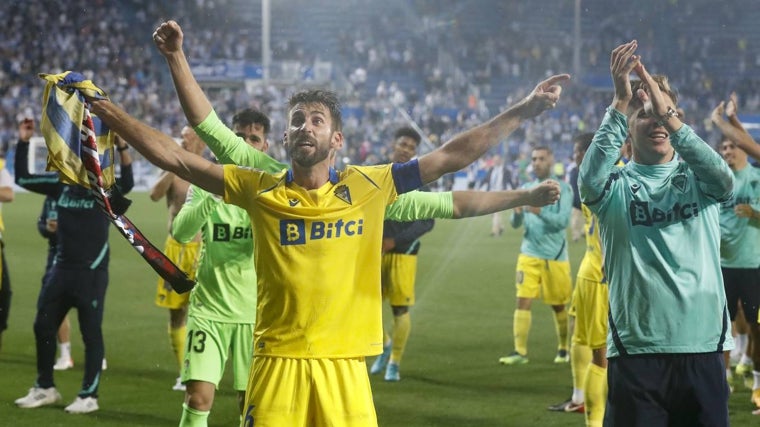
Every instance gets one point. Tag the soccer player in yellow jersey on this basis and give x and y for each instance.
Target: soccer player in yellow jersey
(580, 354)
(318, 238)
(589, 307)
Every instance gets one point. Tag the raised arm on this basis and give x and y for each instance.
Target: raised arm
(168, 38)
(190, 219)
(466, 147)
(715, 177)
(161, 186)
(733, 129)
(160, 149)
(45, 183)
(126, 181)
(604, 151)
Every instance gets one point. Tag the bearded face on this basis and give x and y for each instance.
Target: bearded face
(310, 135)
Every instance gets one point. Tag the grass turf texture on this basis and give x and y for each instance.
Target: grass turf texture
(462, 324)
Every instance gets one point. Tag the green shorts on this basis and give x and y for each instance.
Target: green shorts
(210, 344)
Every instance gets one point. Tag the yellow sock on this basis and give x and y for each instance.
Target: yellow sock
(580, 358)
(560, 324)
(521, 329)
(402, 326)
(193, 417)
(177, 337)
(596, 395)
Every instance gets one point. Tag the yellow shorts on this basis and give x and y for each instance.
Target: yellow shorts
(309, 393)
(186, 258)
(591, 302)
(545, 279)
(398, 273)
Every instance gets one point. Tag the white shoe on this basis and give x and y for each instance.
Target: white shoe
(82, 405)
(39, 397)
(178, 386)
(63, 363)
(104, 366)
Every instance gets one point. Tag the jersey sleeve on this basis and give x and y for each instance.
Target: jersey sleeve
(416, 205)
(126, 181)
(190, 219)
(599, 161)
(406, 176)
(239, 184)
(715, 177)
(47, 183)
(231, 149)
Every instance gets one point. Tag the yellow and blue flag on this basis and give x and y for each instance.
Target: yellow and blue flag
(63, 112)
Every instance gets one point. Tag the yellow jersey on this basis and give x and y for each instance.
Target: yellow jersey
(591, 264)
(318, 256)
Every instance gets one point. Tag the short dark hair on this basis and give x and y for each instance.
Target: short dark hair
(583, 140)
(251, 116)
(543, 148)
(319, 96)
(409, 132)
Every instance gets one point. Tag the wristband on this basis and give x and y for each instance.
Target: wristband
(123, 148)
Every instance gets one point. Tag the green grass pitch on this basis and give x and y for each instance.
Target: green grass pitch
(462, 324)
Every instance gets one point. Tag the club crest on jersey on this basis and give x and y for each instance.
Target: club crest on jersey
(679, 181)
(298, 231)
(342, 193)
(635, 188)
(293, 202)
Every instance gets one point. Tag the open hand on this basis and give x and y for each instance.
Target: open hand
(717, 113)
(732, 106)
(622, 63)
(655, 103)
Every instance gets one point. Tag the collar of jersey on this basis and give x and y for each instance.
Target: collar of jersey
(333, 176)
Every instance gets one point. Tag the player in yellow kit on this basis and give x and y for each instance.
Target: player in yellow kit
(318, 238)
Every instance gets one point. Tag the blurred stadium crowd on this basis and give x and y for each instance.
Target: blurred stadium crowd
(443, 65)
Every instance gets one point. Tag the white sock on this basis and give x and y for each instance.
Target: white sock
(64, 349)
(745, 360)
(740, 345)
(578, 397)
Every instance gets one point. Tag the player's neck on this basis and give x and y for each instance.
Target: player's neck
(312, 177)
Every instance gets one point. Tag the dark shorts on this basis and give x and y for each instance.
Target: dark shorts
(742, 284)
(667, 390)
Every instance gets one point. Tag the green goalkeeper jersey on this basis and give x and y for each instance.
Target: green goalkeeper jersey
(226, 290)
